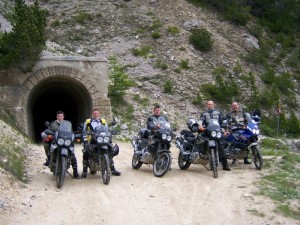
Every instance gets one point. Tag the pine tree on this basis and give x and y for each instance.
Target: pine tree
(21, 47)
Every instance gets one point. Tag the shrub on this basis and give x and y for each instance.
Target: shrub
(82, 17)
(21, 47)
(173, 30)
(201, 39)
(160, 64)
(168, 86)
(155, 35)
(143, 51)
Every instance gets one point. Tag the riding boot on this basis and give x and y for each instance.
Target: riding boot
(246, 161)
(225, 164)
(84, 171)
(47, 161)
(75, 173)
(114, 171)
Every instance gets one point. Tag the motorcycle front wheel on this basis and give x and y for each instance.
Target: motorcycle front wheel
(60, 170)
(136, 164)
(213, 162)
(257, 157)
(105, 168)
(184, 165)
(162, 164)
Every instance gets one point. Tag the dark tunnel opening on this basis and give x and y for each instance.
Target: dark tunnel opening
(53, 94)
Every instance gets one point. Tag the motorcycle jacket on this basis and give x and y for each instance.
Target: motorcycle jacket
(152, 120)
(238, 117)
(90, 124)
(211, 114)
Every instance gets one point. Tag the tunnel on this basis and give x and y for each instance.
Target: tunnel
(57, 93)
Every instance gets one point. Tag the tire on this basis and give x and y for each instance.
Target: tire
(93, 172)
(105, 168)
(257, 157)
(61, 167)
(184, 165)
(136, 164)
(213, 163)
(162, 164)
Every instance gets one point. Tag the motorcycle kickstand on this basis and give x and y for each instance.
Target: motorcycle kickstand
(208, 169)
(70, 174)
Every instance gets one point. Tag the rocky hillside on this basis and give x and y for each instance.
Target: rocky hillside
(116, 27)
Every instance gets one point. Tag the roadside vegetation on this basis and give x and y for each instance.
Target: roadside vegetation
(281, 178)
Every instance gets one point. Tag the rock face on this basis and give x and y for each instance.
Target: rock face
(117, 27)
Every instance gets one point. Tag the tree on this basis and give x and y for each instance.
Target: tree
(21, 48)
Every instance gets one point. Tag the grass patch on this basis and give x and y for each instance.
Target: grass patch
(256, 212)
(281, 181)
(142, 52)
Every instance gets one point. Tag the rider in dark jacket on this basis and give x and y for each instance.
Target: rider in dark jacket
(237, 116)
(54, 125)
(212, 113)
(155, 118)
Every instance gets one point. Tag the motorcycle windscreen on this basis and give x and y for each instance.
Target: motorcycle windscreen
(101, 129)
(65, 130)
(213, 124)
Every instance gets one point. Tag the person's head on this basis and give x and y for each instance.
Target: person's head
(210, 105)
(156, 110)
(95, 113)
(60, 115)
(235, 107)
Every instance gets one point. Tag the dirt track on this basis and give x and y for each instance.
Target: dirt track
(138, 197)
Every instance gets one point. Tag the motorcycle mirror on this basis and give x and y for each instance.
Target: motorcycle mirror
(46, 124)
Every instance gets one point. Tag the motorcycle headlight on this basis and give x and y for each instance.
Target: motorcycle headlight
(164, 136)
(255, 131)
(60, 141)
(219, 135)
(67, 142)
(99, 139)
(106, 139)
(169, 138)
(213, 133)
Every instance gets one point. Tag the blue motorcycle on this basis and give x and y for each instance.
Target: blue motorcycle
(243, 140)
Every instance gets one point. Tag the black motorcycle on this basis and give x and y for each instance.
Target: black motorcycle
(100, 148)
(202, 148)
(61, 151)
(153, 149)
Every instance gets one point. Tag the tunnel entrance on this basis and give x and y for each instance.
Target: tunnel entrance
(53, 94)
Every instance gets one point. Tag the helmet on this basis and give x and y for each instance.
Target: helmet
(192, 125)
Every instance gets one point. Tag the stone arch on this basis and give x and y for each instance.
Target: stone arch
(78, 89)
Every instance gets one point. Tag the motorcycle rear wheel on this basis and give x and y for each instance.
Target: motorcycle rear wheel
(257, 158)
(136, 164)
(184, 165)
(162, 164)
(105, 168)
(213, 163)
(61, 166)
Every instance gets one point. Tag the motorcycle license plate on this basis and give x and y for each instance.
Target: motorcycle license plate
(211, 143)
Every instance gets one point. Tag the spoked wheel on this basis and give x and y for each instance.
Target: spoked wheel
(184, 165)
(257, 157)
(136, 164)
(105, 168)
(162, 164)
(60, 170)
(213, 163)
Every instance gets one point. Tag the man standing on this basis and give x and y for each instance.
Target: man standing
(54, 125)
(212, 113)
(90, 125)
(237, 116)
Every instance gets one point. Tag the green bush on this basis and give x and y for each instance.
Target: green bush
(21, 47)
(82, 17)
(184, 64)
(173, 30)
(160, 64)
(155, 35)
(238, 13)
(168, 86)
(143, 51)
(201, 39)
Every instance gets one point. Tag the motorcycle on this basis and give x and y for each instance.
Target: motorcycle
(61, 150)
(100, 149)
(243, 140)
(201, 148)
(153, 149)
